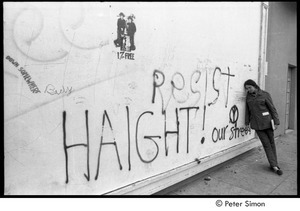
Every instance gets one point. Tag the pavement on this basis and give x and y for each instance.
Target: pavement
(247, 174)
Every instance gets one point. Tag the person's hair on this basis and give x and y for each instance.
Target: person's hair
(252, 83)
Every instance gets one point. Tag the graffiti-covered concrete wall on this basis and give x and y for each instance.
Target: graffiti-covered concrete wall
(102, 96)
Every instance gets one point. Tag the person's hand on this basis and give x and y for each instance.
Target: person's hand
(276, 126)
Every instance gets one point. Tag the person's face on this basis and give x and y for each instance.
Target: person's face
(249, 88)
(129, 20)
(122, 17)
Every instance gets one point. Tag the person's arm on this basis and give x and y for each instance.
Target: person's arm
(134, 28)
(247, 115)
(119, 24)
(272, 109)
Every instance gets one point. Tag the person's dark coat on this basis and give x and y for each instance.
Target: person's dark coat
(121, 26)
(260, 110)
(131, 29)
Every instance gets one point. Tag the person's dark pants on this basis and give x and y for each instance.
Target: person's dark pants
(132, 46)
(267, 139)
(119, 41)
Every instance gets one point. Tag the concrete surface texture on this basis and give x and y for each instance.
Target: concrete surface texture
(247, 174)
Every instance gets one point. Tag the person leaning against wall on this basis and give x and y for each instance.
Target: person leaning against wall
(260, 112)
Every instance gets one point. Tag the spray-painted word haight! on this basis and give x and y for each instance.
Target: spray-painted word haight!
(217, 134)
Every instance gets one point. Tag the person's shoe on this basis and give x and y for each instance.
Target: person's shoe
(132, 48)
(279, 172)
(116, 43)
